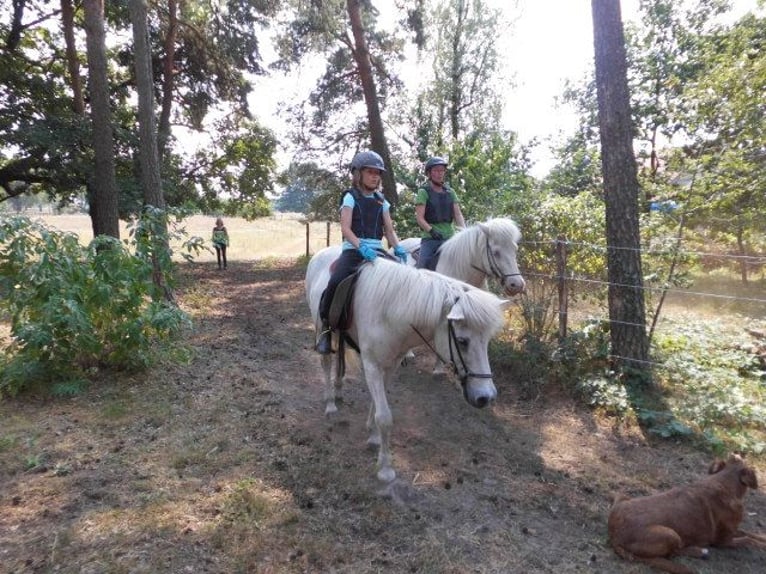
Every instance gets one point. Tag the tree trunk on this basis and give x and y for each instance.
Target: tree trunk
(456, 70)
(742, 252)
(168, 77)
(629, 341)
(73, 63)
(103, 186)
(148, 153)
(17, 26)
(377, 133)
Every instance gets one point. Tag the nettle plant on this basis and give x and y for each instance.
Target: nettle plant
(75, 310)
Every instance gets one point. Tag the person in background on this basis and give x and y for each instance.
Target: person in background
(220, 242)
(436, 211)
(364, 219)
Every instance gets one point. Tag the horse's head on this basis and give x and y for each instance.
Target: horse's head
(502, 238)
(464, 337)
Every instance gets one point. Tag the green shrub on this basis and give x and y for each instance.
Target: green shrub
(74, 310)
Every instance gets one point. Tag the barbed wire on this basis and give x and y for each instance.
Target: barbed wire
(645, 288)
(758, 259)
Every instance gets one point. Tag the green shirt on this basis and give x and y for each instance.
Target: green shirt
(447, 229)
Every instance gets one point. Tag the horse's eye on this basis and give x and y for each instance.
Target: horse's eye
(463, 342)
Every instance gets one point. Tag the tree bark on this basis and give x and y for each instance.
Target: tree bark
(148, 152)
(364, 66)
(103, 186)
(73, 63)
(621, 190)
(17, 26)
(168, 78)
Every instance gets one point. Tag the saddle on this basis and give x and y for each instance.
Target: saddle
(340, 307)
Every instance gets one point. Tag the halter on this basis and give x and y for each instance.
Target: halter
(494, 268)
(452, 338)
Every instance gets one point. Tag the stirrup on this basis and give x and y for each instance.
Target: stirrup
(324, 343)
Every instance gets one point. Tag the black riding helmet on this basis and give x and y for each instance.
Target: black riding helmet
(433, 162)
(367, 159)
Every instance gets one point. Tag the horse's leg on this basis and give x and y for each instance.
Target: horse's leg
(333, 385)
(381, 415)
(374, 438)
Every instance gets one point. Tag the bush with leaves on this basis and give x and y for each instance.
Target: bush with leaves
(74, 310)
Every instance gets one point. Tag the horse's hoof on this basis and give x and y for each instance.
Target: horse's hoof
(386, 474)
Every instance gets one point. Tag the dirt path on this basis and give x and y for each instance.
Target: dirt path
(226, 464)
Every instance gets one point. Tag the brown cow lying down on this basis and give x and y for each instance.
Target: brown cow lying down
(686, 519)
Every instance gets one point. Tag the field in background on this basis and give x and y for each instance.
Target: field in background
(715, 294)
(277, 236)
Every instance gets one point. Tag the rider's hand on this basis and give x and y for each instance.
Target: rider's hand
(436, 234)
(401, 253)
(367, 252)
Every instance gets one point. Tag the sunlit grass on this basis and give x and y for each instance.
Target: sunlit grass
(276, 236)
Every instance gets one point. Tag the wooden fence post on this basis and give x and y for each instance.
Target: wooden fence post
(307, 224)
(327, 242)
(561, 270)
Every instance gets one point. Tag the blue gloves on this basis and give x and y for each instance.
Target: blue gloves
(401, 253)
(367, 252)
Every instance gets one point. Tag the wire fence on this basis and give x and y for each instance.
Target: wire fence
(721, 293)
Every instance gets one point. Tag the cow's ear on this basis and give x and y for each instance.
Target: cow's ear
(748, 478)
(716, 466)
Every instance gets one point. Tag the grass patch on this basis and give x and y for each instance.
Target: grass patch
(708, 371)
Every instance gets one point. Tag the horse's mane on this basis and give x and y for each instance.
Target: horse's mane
(461, 248)
(422, 297)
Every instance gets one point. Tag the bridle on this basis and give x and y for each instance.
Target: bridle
(494, 268)
(453, 343)
(454, 349)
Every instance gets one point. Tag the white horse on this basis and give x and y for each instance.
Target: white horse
(480, 251)
(395, 308)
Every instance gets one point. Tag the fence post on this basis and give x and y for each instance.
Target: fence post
(561, 270)
(307, 224)
(327, 242)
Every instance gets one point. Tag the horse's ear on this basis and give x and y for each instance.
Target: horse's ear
(484, 228)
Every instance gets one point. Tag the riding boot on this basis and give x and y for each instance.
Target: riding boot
(324, 344)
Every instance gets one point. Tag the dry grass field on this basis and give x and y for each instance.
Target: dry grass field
(277, 236)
